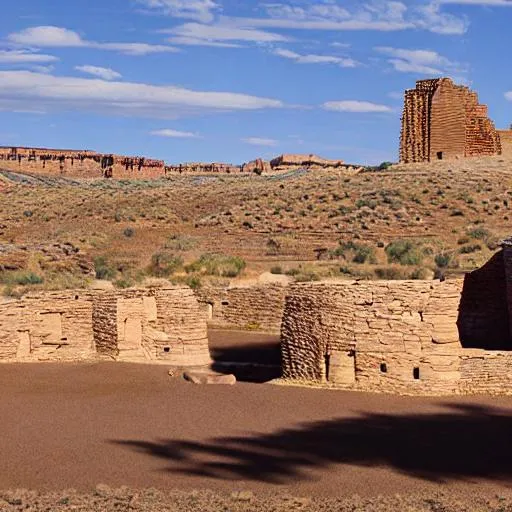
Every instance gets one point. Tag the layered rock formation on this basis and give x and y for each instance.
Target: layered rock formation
(442, 120)
(164, 325)
(294, 161)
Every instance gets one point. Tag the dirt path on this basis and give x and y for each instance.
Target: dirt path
(74, 426)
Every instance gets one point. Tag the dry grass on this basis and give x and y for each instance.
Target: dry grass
(452, 213)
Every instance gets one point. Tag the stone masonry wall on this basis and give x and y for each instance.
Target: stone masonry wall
(397, 337)
(164, 325)
(441, 120)
(253, 307)
(47, 326)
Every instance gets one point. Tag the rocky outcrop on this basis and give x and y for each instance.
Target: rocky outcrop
(291, 161)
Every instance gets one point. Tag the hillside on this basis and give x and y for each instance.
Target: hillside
(407, 221)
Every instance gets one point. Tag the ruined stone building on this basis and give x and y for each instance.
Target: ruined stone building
(442, 120)
(412, 337)
(150, 325)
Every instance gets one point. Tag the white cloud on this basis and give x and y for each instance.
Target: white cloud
(378, 15)
(344, 62)
(425, 62)
(105, 73)
(199, 10)
(58, 37)
(355, 106)
(219, 35)
(49, 92)
(174, 134)
(259, 141)
(24, 57)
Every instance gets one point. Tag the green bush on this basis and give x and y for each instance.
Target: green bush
(468, 249)
(194, 282)
(129, 232)
(217, 265)
(164, 264)
(404, 252)
(20, 278)
(443, 259)
(276, 270)
(364, 254)
(479, 233)
(103, 269)
(391, 273)
(180, 243)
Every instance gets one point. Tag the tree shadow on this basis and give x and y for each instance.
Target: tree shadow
(465, 443)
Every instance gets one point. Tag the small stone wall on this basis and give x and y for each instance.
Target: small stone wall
(164, 325)
(396, 337)
(258, 308)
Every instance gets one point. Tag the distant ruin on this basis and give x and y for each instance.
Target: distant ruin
(409, 337)
(150, 325)
(90, 164)
(442, 120)
(78, 164)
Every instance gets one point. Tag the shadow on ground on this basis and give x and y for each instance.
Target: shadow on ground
(468, 442)
(251, 357)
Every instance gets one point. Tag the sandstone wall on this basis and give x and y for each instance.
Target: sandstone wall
(506, 142)
(441, 120)
(397, 337)
(49, 326)
(253, 307)
(78, 164)
(164, 325)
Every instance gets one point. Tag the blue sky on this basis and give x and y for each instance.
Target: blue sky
(230, 80)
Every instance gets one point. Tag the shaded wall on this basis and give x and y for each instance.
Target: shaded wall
(484, 318)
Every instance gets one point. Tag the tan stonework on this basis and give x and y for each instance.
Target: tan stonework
(408, 337)
(164, 325)
(78, 164)
(442, 120)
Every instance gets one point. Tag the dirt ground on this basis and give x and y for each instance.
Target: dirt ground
(79, 425)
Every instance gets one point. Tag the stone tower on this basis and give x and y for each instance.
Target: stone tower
(442, 120)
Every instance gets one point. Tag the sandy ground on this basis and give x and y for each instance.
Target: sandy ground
(77, 425)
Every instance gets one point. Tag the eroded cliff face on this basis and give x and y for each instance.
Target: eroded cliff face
(165, 325)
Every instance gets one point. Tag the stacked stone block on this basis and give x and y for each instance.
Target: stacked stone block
(442, 120)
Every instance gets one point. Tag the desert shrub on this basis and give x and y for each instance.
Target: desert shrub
(123, 283)
(164, 264)
(20, 278)
(370, 203)
(468, 249)
(217, 265)
(129, 232)
(391, 273)
(276, 270)
(385, 165)
(420, 273)
(292, 272)
(479, 233)
(28, 213)
(307, 276)
(180, 243)
(442, 260)
(103, 269)
(194, 282)
(364, 254)
(404, 252)
(273, 247)
(463, 240)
